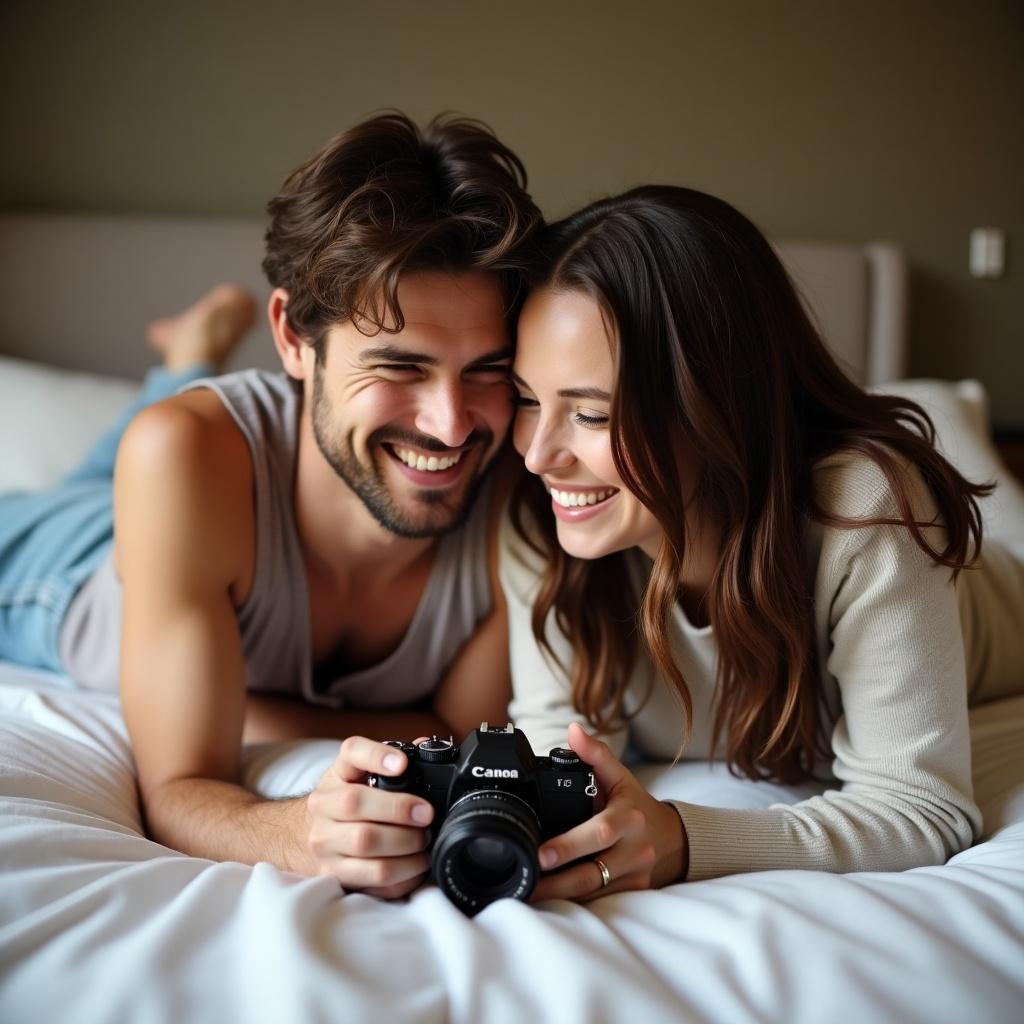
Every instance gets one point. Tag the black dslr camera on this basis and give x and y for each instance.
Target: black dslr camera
(494, 803)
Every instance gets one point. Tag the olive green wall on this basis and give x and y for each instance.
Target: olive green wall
(832, 119)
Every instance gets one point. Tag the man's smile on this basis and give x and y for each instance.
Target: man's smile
(427, 468)
(418, 460)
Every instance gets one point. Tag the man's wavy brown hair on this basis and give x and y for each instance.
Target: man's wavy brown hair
(385, 198)
(715, 355)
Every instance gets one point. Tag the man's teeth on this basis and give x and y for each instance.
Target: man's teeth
(431, 463)
(574, 499)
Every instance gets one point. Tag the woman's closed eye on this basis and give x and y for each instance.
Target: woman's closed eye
(590, 418)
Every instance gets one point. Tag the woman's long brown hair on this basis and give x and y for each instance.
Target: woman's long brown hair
(717, 357)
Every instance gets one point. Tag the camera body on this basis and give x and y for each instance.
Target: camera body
(494, 803)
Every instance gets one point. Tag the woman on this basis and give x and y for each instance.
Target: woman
(727, 548)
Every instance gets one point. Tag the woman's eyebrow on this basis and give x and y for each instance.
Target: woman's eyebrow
(596, 393)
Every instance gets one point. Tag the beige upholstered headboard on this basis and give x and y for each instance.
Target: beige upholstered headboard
(77, 291)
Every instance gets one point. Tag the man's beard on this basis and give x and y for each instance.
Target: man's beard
(433, 515)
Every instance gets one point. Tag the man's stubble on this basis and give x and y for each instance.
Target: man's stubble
(368, 481)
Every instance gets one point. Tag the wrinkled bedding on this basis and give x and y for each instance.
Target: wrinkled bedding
(98, 923)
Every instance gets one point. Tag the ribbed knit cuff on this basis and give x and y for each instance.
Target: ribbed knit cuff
(727, 841)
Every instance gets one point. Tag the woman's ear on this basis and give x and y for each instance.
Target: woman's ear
(288, 342)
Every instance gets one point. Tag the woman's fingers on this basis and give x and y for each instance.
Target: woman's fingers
(585, 881)
(606, 827)
(609, 771)
(591, 838)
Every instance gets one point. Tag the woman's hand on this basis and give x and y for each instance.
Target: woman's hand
(640, 841)
(366, 838)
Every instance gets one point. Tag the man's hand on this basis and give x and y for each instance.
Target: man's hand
(368, 839)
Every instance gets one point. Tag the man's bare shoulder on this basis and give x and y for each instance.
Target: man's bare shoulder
(185, 464)
(192, 434)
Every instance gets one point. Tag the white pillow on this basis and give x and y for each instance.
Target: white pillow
(50, 418)
(959, 411)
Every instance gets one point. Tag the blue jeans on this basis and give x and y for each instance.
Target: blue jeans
(52, 541)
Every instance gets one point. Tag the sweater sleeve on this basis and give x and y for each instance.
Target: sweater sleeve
(541, 699)
(901, 743)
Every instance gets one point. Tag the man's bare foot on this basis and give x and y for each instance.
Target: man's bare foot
(207, 331)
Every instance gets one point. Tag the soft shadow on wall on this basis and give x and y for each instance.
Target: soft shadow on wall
(851, 121)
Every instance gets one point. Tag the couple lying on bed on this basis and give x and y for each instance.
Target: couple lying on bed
(720, 546)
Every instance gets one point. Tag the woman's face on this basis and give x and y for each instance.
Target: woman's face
(565, 376)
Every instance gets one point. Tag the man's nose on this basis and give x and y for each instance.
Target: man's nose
(443, 414)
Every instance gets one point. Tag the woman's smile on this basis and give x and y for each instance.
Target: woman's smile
(574, 505)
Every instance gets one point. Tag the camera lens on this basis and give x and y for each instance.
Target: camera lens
(486, 850)
(489, 861)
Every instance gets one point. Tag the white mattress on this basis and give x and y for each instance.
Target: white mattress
(98, 924)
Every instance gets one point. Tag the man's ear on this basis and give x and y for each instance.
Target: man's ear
(288, 342)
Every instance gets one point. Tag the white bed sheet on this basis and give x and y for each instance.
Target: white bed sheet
(99, 924)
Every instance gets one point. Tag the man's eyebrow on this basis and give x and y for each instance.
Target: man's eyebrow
(596, 393)
(499, 355)
(396, 354)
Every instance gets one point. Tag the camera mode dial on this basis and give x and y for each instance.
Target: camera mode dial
(435, 751)
(563, 756)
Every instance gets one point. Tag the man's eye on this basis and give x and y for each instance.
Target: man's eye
(525, 402)
(490, 373)
(400, 370)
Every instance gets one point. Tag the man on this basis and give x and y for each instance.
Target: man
(319, 533)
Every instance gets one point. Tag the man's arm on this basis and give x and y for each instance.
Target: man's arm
(182, 492)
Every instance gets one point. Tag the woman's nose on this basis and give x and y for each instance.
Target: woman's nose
(544, 449)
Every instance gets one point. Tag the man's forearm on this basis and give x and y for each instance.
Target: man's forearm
(222, 821)
(270, 719)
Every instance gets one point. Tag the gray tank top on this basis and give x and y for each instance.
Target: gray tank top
(274, 620)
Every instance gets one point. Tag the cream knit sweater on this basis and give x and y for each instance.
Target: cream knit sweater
(900, 649)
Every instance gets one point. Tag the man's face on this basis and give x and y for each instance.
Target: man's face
(410, 421)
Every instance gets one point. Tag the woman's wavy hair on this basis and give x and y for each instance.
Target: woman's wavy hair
(385, 198)
(716, 356)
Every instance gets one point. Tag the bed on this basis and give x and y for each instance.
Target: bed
(100, 924)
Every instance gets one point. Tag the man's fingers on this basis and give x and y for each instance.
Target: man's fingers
(355, 802)
(357, 873)
(365, 839)
(359, 756)
(394, 892)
